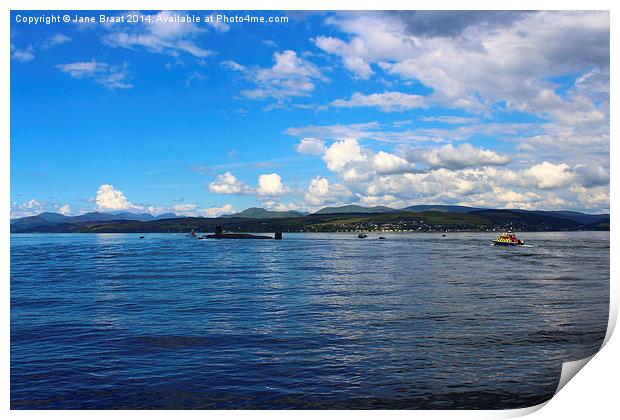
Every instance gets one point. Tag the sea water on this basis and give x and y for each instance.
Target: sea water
(102, 321)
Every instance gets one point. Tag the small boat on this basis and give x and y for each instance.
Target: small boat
(362, 236)
(381, 237)
(508, 239)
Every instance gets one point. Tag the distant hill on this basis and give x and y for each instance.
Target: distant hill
(258, 213)
(330, 219)
(167, 216)
(52, 219)
(427, 221)
(572, 215)
(43, 219)
(352, 208)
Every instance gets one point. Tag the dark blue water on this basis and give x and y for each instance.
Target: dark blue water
(313, 321)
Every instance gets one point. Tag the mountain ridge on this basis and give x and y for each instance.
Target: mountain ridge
(52, 219)
(461, 218)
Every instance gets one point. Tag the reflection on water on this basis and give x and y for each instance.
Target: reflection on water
(313, 321)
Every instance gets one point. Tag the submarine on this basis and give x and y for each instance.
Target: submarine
(219, 234)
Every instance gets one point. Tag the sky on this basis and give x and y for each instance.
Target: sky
(488, 109)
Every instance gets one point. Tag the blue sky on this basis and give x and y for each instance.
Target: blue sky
(505, 109)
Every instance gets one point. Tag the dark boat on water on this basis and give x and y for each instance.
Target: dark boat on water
(362, 236)
(508, 239)
(219, 234)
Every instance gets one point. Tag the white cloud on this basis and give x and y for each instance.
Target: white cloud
(184, 208)
(193, 210)
(336, 131)
(232, 66)
(311, 146)
(217, 211)
(110, 199)
(356, 64)
(31, 207)
(343, 152)
(592, 198)
(161, 35)
(456, 175)
(547, 175)
(290, 76)
(439, 185)
(378, 132)
(27, 54)
(321, 193)
(157, 210)
(387, 163)
(270, 185)
(54, 40)
(271, 203)
(450, 119)
(227, 183)
(459, 157)
(481, 64)
(386, 102)
(22, 55)
(112, 77)
(65, 210)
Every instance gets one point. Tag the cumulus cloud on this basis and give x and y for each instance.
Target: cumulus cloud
(270, 185)
(320, 193)
(592, 198)
(454, 173)
(343, 152)
(462, 174)
(311, 146)
(111, 77)
(387, 163)
(439, 185)
(591, 176)
(548, 175)
(227, 183)
(110, 199)
(387, 101)
(290, 76)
